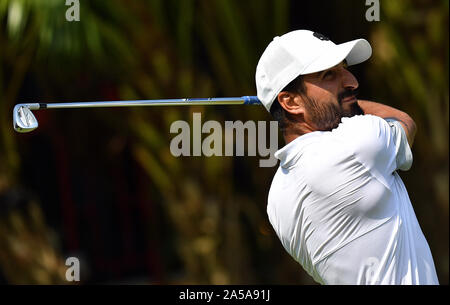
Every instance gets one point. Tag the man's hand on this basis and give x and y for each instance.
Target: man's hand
(387, 112)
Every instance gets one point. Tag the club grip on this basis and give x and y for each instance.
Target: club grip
(251, 100)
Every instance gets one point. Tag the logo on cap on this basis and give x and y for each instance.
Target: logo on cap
(320, 36)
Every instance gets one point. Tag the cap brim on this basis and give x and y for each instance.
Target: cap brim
(354, 52)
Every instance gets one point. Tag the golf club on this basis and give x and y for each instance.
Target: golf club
(25, 121)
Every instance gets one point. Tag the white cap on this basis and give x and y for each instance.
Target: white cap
(302, 52)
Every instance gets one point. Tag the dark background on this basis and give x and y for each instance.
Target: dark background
(102, 185)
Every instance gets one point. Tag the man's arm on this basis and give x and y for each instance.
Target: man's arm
(387, 112)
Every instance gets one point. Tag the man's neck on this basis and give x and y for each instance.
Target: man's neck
(288, 138)
(293, 133)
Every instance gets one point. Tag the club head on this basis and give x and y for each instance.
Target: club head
(23, 119)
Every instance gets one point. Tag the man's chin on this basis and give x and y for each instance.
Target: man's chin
(351, 109)
(327, 116)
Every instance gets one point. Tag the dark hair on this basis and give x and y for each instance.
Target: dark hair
(278, 113)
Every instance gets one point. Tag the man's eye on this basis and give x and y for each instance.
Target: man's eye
(328, 74)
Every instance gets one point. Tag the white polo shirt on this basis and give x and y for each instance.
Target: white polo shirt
(341, 210)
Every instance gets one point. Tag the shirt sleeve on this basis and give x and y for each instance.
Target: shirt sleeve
(403, 153)
(380, 145)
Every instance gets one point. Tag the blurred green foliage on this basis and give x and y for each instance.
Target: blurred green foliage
(149, 49)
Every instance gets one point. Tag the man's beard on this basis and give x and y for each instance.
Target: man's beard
(327, 116)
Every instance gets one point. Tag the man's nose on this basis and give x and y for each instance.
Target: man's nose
(349, 81)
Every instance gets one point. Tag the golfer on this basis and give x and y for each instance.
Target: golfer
(336, 202)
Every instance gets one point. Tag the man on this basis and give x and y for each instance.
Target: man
(336, 202)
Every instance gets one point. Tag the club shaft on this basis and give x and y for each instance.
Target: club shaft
(244, 100)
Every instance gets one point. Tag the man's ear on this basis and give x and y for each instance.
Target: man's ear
(291, 102)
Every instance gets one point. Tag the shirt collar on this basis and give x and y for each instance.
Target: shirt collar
(290, 153)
